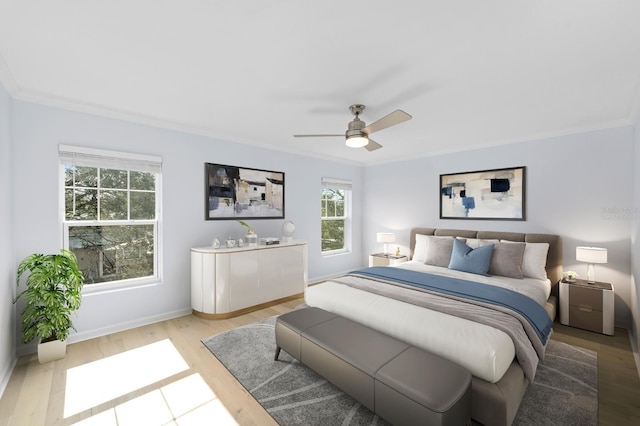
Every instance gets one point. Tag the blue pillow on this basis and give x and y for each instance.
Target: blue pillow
(466, 259)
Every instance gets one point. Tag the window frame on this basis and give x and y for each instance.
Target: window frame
(347, 217)
(89, 157)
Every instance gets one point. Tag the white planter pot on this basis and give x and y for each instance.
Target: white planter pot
(51, 351)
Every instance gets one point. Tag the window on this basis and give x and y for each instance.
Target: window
(335, 215)
(111, 213)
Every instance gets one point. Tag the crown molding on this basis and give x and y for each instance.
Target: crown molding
(529, 138)
(46, 99)
(41, 98)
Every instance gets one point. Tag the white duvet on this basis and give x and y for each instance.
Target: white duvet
(485, 351)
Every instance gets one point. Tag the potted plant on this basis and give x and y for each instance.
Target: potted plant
(52, 294)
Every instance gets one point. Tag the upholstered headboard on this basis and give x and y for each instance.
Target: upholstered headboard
(554, 255)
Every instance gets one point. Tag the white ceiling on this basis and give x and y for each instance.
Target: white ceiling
(472, 73)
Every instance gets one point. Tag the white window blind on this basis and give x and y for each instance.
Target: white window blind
(336, 184)
(90, 157)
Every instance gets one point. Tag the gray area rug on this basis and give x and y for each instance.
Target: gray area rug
(565, 391)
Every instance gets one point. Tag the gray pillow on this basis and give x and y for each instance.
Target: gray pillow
(534, 260)
(439, 251)
(507, 260)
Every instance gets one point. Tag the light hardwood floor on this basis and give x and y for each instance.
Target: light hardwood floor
(35, 394)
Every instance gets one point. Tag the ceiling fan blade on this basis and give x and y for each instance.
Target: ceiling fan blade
(317, 136)
(396, 117)
(372, 145)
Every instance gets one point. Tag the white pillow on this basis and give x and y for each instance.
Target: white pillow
(474, 243)
(420, 249)
(534, 260)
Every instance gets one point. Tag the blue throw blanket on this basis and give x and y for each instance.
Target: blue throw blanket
(525, 306)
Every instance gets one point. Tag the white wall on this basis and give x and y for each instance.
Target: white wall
(37, 131)
(7, 316)
(570, 180)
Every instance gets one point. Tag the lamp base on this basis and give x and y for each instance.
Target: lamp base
(591, 273)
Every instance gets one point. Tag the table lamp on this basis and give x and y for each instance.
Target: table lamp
(386, 238)
(591, 255)
(288, 229)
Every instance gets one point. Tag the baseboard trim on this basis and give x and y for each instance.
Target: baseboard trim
(115, 328)
(6, 375)
(139, 322)
(635, 350)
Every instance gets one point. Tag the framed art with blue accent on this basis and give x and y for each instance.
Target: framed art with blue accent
(497, 194)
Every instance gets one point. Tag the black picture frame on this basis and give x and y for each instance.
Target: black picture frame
(495, 194)
(235, 193)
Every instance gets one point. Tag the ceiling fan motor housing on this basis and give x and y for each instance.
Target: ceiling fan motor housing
(355, 128)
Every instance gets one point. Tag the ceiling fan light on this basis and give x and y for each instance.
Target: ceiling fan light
(357, 141)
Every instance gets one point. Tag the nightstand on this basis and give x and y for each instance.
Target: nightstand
(587, 306)
(381, 259)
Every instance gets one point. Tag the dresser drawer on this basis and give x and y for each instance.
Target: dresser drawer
(585, 296)
(585, 317)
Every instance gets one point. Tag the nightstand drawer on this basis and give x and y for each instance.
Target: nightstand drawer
(585, 296)
(585, 317)
(587, 306)
(382, 259)
(378, 261)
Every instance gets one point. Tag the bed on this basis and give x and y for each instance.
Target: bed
(485, 339)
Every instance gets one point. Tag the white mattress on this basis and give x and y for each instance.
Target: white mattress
(483, 350)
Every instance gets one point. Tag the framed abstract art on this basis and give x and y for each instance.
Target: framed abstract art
(233, 192)
(497, 194)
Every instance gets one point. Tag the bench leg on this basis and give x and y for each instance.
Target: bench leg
(277, 353)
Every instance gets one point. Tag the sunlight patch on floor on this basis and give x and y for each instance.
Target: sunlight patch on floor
(185, 402)
(95, 383)
(147, 409)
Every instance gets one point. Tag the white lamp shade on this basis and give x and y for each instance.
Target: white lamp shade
(386, 237)
(591, 254)
(357, 142)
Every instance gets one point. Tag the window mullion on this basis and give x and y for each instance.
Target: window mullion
(113, 251)
(99, 194)
(128, 194)
(73, 190)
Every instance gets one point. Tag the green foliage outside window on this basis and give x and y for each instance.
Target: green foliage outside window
(99, 197)
(113, 253)
(123, 195)
(333, 219)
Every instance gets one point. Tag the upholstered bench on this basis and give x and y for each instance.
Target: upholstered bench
(402, 384)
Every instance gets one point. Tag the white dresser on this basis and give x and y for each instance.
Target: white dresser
(226, 282)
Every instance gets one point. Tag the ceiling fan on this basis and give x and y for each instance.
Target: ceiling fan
(357, 134)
